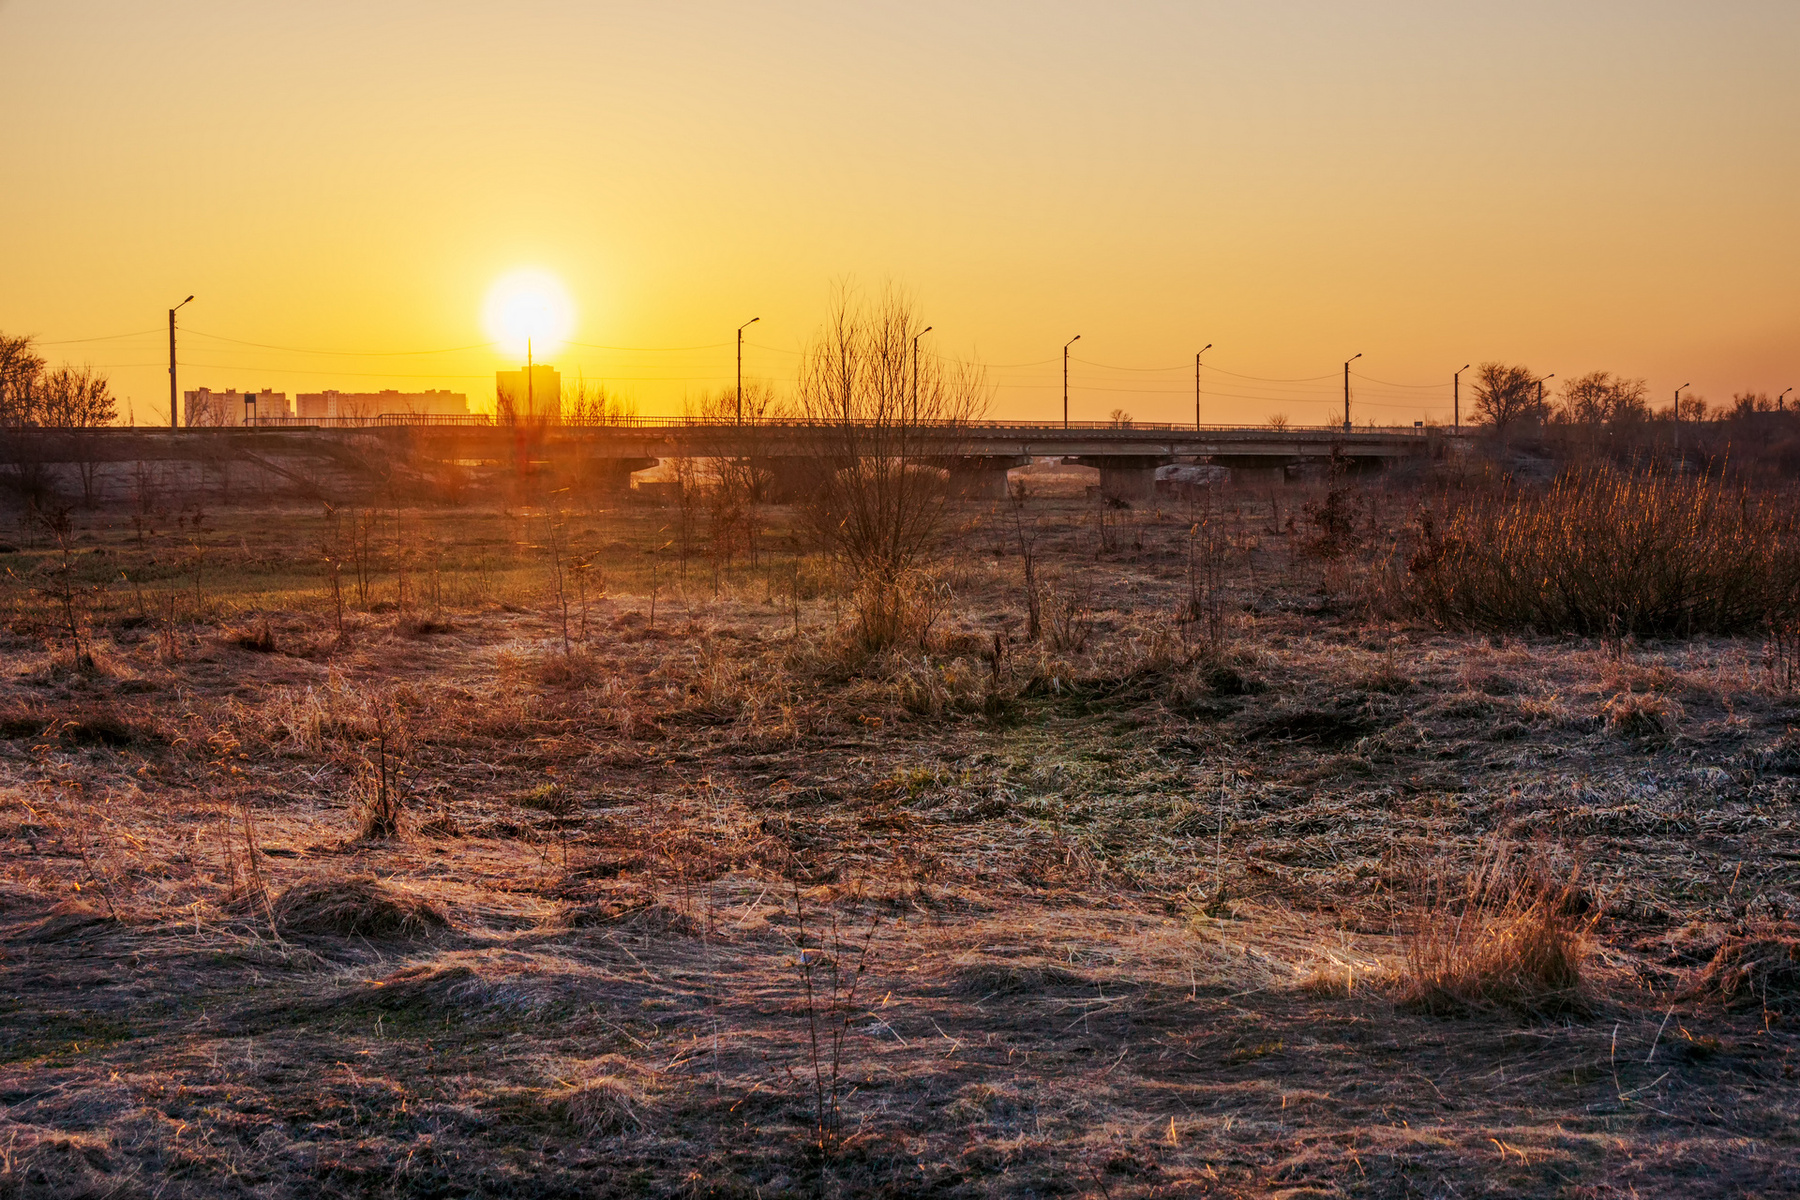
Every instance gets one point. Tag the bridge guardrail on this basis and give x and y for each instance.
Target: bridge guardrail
(483, 421)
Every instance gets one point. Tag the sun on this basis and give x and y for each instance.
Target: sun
(528, 306)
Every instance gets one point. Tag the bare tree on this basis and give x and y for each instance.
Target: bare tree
(21, 372)
(80, 400)
(587, 403)
(877, 509)
(1602, 398)
(1507, 395)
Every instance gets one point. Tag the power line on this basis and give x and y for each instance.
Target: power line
(666, 349)
(111, 337)
(337, 353)
(1386, 383)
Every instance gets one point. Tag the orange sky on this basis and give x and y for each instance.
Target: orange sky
(1570, 185)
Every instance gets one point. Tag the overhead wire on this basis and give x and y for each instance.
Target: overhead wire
(111, 337)
(336, 353)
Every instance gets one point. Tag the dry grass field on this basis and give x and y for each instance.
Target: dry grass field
(529, 852)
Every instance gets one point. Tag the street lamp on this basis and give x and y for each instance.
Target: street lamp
(1684, 387)
(1347, 363)
(1066, 346)
(740, 375)
(172, 422)
(1203, 350)
(1540, 403)
(915, 390)
(1456, 396)
(1780, 401)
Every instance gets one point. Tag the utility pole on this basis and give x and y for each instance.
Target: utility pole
(1066, 346)
(740, 375)
(1203, 350)
(173, 423)
(915, 390)
(1347, 363)
(1456, 396)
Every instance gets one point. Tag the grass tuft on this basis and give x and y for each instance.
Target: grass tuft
(359, 906)
(1505, 939)
(606, 1105)
(1757, 967)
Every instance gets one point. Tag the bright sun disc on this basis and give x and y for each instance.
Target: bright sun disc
(528, 306)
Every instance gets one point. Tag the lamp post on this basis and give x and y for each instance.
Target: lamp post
(1677, 414)
(173, 424)
(915, 387)
(1203, 350)
(1781, 401)
(740, 369)
(1347, 363)
(1540, 399)
(1456, 396)
(1066, 346)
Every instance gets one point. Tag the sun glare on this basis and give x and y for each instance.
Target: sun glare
(529, 305)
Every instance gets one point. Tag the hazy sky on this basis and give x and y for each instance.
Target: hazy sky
(1570, 185)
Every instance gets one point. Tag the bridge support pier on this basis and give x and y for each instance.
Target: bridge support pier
(1255, 470)
(979, 476)
(613, 474)
(789, 479)
(1130, 478)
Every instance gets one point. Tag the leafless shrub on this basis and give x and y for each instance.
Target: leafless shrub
(1336, 518)
(381, 779)
(874, 411)
(1068, 621)
(829, 964)
(1208, 548)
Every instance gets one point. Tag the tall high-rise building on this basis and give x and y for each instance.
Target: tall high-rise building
(541, 401)
(232, 407)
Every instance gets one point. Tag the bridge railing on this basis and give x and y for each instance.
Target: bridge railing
(1123, 429)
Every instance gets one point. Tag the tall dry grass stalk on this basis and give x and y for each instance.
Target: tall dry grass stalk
(1609, 553)
(1505, 935)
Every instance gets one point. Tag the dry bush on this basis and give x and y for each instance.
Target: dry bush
(1068, 621)
(896, 610)
(1757, 966)
(932, 688)
(1641, 714)
(1608, 553)
(358, 906)
(1504, 936)
(605, 1105)
(259, 637)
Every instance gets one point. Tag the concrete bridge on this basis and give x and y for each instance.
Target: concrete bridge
(976, 455)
